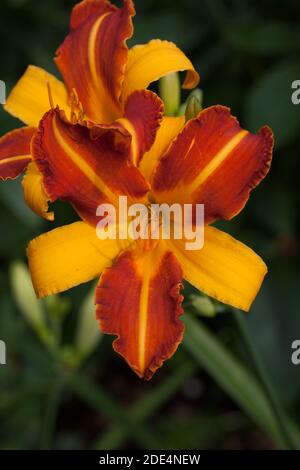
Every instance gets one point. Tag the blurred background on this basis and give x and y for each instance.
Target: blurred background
(62, 386)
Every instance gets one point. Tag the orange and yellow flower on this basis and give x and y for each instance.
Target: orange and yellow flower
(209, 160)
(115, 141)
(100, 74)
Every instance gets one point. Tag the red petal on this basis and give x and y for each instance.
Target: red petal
(142, 118)
(138, 300)
(93, 57)
(83, 10)
(214, 162)
(15, 152)
(86, 167)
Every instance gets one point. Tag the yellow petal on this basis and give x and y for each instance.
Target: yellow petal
(29, 99)
(224, 269)
(149, 62)
(68, 256)
(34, 192)
(169, 129)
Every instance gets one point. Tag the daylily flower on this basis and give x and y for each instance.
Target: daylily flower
(209, 160)
(100, 74)
(96, 143)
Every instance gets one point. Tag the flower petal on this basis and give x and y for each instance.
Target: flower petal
(68, 256)
(138, 300)
(29, 100)
(149, 62)
(214, 162)
(142, 116)
(34, 192)
(224, 268)
(86, 167)
(169, 129)
(15, 152)
(93, 57)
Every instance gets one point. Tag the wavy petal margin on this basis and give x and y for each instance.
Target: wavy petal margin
(86, 167)
(15, 152)
(93, 57)
(215, 162)
(138, 299)
(143, 114)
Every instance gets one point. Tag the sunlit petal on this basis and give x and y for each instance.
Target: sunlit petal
(224, 268)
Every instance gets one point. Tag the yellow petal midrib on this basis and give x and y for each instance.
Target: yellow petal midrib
(15, 159)
(83, 166)
(217, 160)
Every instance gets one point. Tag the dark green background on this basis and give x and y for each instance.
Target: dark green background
(248, 54)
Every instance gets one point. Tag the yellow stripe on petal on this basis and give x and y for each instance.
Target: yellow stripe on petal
(93, 56)
(213, 161)
(225, 268)
(169, 129)
(34, 192)
(149, 62)
(15, 152)
(29, 99)
(138, 299)
(143, 112)
(68, 256)
(86, 171)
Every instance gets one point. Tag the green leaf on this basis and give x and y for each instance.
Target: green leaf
(148, 405)
(88, 333)
(26, 299)
(231, 375)
(100, 399)
(269, 102)
(24, 294)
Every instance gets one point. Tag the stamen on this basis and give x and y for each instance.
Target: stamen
(50, 95)
(77, 113)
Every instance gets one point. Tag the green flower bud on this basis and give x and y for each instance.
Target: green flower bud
(204, 305)
(170, 93)
(194, 104)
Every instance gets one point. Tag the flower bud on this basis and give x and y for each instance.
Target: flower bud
(203, 305)
(170, 93)
(194, 104)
